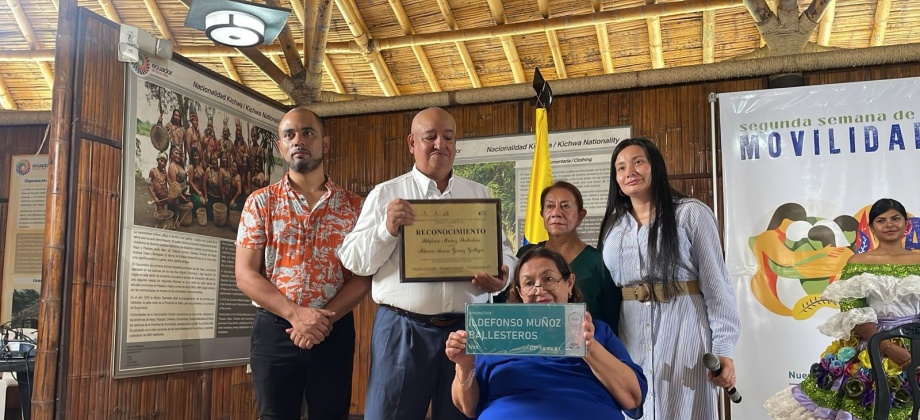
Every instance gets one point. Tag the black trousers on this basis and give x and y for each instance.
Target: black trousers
(284, 375)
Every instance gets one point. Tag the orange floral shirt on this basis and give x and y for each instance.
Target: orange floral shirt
(300, 243)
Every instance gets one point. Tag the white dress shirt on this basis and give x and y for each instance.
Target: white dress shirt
(370, 249)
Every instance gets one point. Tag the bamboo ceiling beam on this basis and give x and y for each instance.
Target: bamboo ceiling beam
(299, 10)
(26, 28)
(274, 73)
(158, 20)
(6, 98)
(420, 55)
(359, 30)
(603, 39)
(26, 55)
(333, 75)
(289, 47)
(279, 62)
(461, 47)
(498, 14)
(553, 41)
(654, 42)
(723, 70)
(110, 12)
(292, 56)
(654, 39)
(827, 24)
(231, 69)
(709, 37)
(562, 22)
(316, 30)
(880, 23)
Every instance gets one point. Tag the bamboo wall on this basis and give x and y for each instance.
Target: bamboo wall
(365, 150)
(86, 389)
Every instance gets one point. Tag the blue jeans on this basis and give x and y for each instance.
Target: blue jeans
(283, 374)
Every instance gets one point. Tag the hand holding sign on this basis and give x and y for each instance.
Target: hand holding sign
(456, 350)
(589, 332)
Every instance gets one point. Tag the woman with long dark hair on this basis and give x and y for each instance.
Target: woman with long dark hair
(662, 249)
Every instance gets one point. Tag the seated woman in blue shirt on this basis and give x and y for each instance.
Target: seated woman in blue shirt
(604, 384)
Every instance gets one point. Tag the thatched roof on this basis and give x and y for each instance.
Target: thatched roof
(404, 47)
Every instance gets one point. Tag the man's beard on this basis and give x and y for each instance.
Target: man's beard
(307, 165)
(175, 120)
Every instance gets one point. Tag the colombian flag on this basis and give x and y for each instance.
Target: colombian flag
(541, 176)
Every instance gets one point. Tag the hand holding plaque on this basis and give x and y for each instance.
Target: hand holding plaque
(399, 214)
(452, 240)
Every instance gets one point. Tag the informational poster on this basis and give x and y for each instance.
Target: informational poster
(196, 147)
(802, 166)
(25, 238)
(581, 157)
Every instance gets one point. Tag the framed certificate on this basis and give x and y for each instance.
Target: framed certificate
(451, 240)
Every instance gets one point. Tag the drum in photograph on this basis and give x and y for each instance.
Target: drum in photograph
(173, 190)
(201, 215)
(234, 219)
(159, 137)
(185, 214)
(164, 219)
(220, 214)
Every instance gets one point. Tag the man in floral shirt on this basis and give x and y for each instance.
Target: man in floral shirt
(303, 337)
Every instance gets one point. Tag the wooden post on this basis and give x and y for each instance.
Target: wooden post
(49, 313)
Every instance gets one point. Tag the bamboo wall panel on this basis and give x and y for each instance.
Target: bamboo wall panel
(103, 107)
(89, 391)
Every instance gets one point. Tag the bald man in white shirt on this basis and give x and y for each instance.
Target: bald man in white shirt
(409, 368)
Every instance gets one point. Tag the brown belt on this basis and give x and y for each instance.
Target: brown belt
(642, 293)
(440, 320)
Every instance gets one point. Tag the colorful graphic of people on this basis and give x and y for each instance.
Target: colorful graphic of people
(811, 251)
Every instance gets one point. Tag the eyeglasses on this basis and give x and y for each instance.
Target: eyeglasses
(529, 287)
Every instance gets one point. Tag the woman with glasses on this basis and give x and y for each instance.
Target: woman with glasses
(603, 384)
(563, 209)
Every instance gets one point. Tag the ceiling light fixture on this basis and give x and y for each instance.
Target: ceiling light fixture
(236, 29)
(237, 23)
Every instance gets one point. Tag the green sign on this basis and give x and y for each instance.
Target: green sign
(526, 329)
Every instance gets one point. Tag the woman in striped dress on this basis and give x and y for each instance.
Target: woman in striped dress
(663, 251)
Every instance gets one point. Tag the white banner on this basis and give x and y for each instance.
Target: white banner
(801, 167)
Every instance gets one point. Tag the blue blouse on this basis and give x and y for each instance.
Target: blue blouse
(530, 387)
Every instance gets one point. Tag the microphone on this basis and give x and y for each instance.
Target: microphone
(712, 363)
